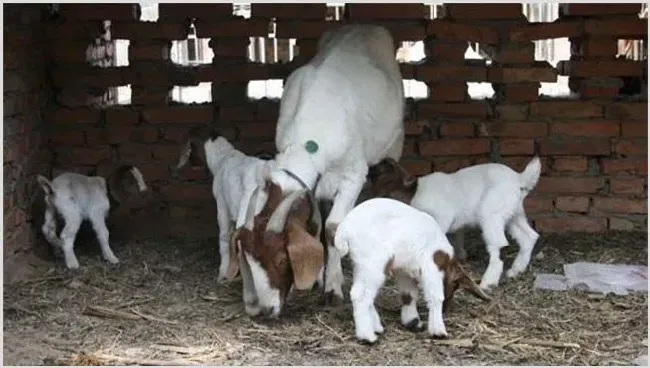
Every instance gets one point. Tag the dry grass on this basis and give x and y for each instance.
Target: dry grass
(162, 306)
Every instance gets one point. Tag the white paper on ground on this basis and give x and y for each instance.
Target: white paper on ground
(597, 278)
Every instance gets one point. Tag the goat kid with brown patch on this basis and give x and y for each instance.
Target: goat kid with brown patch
(74, 198)
(276, 248)
(385, 237)
(490, 196)
(234, 175)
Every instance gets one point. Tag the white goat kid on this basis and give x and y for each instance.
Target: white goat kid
(489, 196)
(340, 113)
(385, 236)
(75, 198)
(234, 176)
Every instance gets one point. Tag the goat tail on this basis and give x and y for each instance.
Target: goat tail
(341, 243)
(139, 178)
(530, 176)
(45, 184)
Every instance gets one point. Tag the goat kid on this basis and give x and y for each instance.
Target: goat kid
(234, 175)
(340, 113)
(385, 237)
(489, 196)
(75, 197)
(276, 248)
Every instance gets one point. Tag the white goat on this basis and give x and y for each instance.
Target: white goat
(234, 176)
(339, 113)
(489, 196)
(74, 198)
(385, 236)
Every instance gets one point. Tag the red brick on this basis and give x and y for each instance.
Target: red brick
(410, 148)
(268, 110)
(598, 92)
(404, 30)
(452, 110)
(448, 91)
(538, 205)
(233, 28)
(121, 116)
(148, 96)
(145, 135)
(67, 137)
(304, 29)
(517, 130)
(455, 147)
(601, 68)
(450, 165)
(166, 153)
(257, 129)
(514, 53)
(512, 112)
(289, 11)
(627, 186)
(237, 113)
(149, 31)
(570, 164)
(407, 71)
(140, 51)
(566, 109)
(569, 185)
(371, 12)
(202, 11)
(572, 204)
(621, 224)
(119, 134)
(511, 147)
(456, 129)
(628, 28)
(80, 116)
(137, 153)
(627, 110)
(187, 115)
(97, 137)
(154, 172)
(621, 205)
(590, 9)
(84, 156)
(571, 224)
(306, 48)
(518, 92)
(598, 47)
(484, 11)
(632, 147)
(574, 146)
(538, 72)
(634, 129)
(450, 72)
(629, 165)
(593, 128)
(443, 50)
(229, 47)
(65, 51)
(542, 31)
(85, 75)
(412, 127)
(97, 11)
(416, 167)
(186, 192)
(447, 29)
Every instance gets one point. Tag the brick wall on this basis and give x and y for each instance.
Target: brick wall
(593, 148)
(26, 91)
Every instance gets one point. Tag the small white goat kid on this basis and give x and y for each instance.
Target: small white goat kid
(234, 176)
(75, 198)
(490, 196)
(385, 236)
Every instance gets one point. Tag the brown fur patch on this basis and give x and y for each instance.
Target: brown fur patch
(390, 180)
(406, 299)
(454, 277)
(388, 268)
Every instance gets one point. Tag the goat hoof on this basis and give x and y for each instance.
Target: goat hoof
(368, 341)
(331, 298)
(438, 335)
(415, 325)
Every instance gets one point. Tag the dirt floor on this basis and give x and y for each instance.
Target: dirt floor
(173, 312)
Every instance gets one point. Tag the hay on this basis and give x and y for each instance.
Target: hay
(163, 306)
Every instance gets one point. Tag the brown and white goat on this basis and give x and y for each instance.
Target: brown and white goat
(276, 249)
(72, 198)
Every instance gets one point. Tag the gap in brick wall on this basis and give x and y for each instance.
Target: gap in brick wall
(270, 88)
(148, 11)
(242, 10)
(272, 50)
(412, 52)
(123, 95)
(201, 93)
(635, 50)
(551, 50)
(191, 51)
(335, 11)
(478, 90)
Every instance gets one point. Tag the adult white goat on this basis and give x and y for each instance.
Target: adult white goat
(339, 114)
(73, 198)
(490, 196)
(234, 175)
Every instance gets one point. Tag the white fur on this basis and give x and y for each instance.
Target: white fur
(235, 176)
(490, 196)
(376, 231)
(348, 99)
(79, 197)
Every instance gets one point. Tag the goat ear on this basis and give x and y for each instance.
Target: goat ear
(45, 184)
(233, 261)
(306, 255)
(468, 284)
(409, 180)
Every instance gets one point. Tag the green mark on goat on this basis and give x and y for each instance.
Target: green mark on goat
(311, 146)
